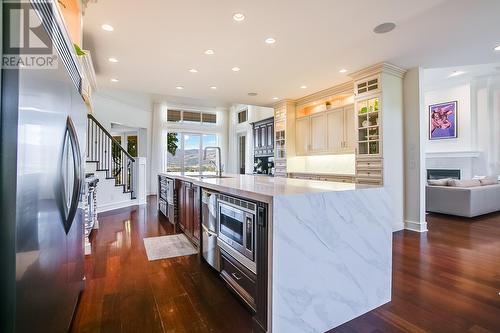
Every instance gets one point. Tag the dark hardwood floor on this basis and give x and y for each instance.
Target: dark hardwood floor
(127, 293)
(446, 280)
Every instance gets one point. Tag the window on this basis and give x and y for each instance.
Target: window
(132, 145)
(209, 164)
(209, 118)
(191, 117)
(189, 157)
(242, 116)
(174, 116)
(174, 162)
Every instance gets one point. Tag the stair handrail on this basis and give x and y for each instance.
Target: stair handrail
(110, 136)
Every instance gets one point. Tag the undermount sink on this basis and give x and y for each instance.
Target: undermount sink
(212, 176)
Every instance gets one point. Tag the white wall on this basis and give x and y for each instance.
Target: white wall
(476, 150)
(461, 94)
(414, 150)
(128, 109)
(392, 146)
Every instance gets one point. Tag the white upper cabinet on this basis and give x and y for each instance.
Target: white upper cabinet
(330, 132)
(318, 133)
(335, 123)
(302, 135)
(349, 128)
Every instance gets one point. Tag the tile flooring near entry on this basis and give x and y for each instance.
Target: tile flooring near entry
(446, 280)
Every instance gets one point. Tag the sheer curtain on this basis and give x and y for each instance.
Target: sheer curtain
(158, 142)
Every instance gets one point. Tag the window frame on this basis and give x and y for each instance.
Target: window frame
(201, 113)
(181, 149)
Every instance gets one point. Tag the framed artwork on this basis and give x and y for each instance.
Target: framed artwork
(443, 121)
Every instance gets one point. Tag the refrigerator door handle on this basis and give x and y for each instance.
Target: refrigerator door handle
(69, 212)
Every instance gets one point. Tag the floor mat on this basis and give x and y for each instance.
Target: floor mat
(168, 247)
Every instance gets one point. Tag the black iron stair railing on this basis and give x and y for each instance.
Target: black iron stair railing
(110, 156)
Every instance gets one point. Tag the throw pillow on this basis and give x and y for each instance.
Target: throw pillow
(488, 181)
(438, 182)
(464, 183)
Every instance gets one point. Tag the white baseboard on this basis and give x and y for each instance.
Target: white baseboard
(116, 205)
(416, 226)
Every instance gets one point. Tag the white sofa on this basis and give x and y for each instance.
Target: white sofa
(463, 201)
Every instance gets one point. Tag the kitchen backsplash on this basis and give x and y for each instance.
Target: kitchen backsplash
(335, 164)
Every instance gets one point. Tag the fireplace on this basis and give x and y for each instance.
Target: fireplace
(443, 173)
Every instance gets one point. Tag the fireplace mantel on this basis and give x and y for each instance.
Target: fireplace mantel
(453, 154)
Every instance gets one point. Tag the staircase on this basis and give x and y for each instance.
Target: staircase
(112, 164)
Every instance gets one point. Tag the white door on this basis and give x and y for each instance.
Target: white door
(302, 135)
(318, 133)
(349, 128)
(242, 142)
(335, 125)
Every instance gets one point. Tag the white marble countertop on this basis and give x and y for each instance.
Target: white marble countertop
(322, 173)
(258, 186)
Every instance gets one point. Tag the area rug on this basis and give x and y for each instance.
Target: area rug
(168, 247)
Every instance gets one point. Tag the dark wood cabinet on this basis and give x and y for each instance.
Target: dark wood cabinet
(182, 205)
(260, 320)
(189, 211)
(196, 213)
(263, 132)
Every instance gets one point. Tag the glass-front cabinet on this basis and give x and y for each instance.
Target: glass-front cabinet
(368, 126)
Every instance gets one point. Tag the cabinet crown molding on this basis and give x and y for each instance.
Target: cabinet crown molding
(382, 67)
(340, 89)
(283, 102)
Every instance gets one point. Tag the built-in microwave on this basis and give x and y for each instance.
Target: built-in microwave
(236, 228)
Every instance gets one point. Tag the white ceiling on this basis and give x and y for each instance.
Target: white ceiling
(437, 78)
(158, 41)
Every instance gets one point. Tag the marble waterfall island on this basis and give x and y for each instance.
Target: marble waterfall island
(332, 258)
(330, 248)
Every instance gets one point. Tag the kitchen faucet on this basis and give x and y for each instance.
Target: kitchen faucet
(205, 157)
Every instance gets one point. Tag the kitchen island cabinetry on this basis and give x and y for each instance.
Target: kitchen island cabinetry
(308, 233)
(189, 211)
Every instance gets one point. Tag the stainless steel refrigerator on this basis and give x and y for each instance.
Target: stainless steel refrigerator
(43, 137)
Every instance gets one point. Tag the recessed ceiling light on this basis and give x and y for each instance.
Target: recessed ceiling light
(209, 52)
(270, 40)
(384, 28)
(343, 70)
(456, 73)
(113, 80)
(303, 87)
(213, 87)
(238, 17)
(275, 98)
(497, 48)
(193, 70)
(252, 94)
(235, 69)
(107, 27)
(179, 87)
(113, 60)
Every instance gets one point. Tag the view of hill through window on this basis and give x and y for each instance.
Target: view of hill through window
(189, 155)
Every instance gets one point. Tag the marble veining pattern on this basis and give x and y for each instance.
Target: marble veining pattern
(332, 255)
(260, 187)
